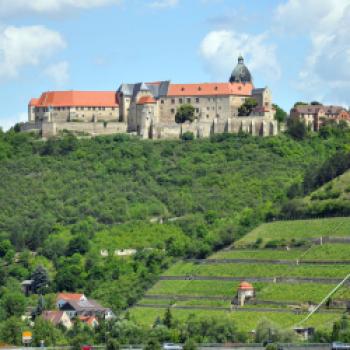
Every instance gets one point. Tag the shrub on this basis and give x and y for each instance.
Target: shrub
(187, 136)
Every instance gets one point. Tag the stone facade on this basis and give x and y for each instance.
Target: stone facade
(149, 109)
(315, 116)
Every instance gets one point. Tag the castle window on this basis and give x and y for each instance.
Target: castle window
(162, 102)
(197, 100)
(197, 110)
(172, 110)
(207, 116)
(188, 100)
(180, 100)
(103, 108)
(113, 108)
(173, 100)
(208, 108)
(220, 107)
(89, 108)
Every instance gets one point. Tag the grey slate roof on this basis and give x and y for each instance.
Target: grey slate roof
(157, 89)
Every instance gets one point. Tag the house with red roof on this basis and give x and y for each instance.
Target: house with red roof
(149, 109)
(58, 318)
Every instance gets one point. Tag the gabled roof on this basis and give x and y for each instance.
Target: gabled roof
(69, 296)
(53, 316)
(210, 89)
(84, 305)
(76, 98)
(33, 102)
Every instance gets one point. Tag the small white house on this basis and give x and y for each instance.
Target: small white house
(245, 291)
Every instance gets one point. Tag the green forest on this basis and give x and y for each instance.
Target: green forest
(64, 201)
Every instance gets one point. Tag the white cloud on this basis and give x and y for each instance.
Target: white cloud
(26, 46)
(326, 74)
(163, 3)
(58, 72)
(220, 50)
(20, 7)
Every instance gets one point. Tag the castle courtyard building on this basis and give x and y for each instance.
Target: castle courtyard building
(149, 109)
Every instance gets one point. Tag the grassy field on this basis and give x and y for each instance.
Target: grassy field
(301, 293)
(298, 230)
(289, 294)
(329, 251)
(246, 321)
(269, 254)
(257, 270)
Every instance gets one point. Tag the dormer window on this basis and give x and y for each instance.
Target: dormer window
(199, 88)
(182, 89)
(216, 88)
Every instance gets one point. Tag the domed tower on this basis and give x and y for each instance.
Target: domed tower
(241, 73)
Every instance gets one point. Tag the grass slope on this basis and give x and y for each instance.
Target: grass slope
(298, 230)
(200, 293)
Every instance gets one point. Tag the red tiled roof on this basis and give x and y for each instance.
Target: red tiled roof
(33, 102)
(88, 320)
(210, 89)
(77, 98)
(69, 296)
(245, 285)
(146, 99)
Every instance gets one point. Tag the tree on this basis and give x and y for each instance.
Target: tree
(184, 113)
(78, 244)
(112, 344)
(40, 279)
(300, 103)
(187, 136)
(297, 129)
(13, 303)
(247, 107)
(190, 345)
(45, 330)
(168, 318)
(281, 115)
(11, 331)
(153, 344)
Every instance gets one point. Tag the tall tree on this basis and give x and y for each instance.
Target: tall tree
(247, 107)
(184, 113)
(40, 279)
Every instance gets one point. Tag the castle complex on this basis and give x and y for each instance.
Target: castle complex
(149, 109)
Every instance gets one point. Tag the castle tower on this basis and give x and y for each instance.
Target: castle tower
(241, 73)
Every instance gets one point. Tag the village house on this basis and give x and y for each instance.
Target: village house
(58, 318)
(316, 115)
(77, 305)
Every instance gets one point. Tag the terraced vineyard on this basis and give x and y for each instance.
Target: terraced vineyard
(287, 282)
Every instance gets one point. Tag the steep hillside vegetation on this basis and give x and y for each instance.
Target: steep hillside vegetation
(71, 205)
(288, 282)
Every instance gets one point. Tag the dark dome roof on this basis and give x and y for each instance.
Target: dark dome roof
(241, 73)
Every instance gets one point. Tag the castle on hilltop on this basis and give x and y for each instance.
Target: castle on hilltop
(149, 109)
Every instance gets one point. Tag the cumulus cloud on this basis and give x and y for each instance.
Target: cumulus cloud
(160, 4)
(26, 46)
(20, 7)
(221, 48)
(326, 74)
(58, 72)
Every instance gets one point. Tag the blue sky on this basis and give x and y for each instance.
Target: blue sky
(299, 48)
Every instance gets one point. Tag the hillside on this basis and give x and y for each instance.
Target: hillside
(287, 283)
(75, 206)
